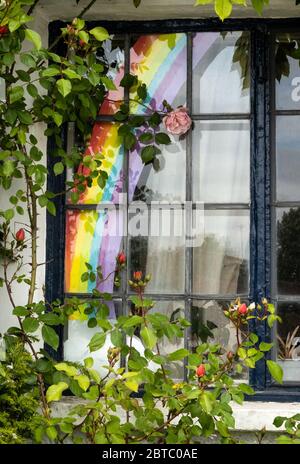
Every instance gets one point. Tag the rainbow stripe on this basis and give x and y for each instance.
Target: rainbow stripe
(160, 62)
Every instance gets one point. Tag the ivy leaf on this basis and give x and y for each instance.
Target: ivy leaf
(64, 87)
(34, 37)
(148, 337)
(99, 33)
(54, 392)
(50, 337)
(275, 371)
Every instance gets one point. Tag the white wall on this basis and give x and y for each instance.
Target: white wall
(21, 290)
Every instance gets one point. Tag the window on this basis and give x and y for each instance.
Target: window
(286, 203)
(237, 168)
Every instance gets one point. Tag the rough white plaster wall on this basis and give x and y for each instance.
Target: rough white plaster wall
(20, 290)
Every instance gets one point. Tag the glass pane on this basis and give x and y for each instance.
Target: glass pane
(221, 254)
(221, 159)
(105, 142)
(288, 251)
(287, 72)
(221, 72)
(167, 183)
(288, 341)
(79, 335)
(112, 54)
(169, 309)
(210, 325)
(93, 237)
(159, 61)
(157, 247)
(287, 158)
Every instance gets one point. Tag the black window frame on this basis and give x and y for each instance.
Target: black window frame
(262, 123)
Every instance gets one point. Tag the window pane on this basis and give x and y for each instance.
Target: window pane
(288, 341)
(287, 158)
(159, 61)
(221, 254)
(221, 158)
(171, 309)
(287, 72)
(105, 142)
(288, 250)
(79, 335)
(93, 237)
(221, 72)
(157, 247)
(167, 183)
(210, 325)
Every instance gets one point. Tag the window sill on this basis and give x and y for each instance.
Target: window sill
(249, 417)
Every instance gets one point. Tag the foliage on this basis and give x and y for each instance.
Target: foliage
(292, 429)
(18, 395)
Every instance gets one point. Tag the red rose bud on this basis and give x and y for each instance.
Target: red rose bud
(137, 275)
(82, 43)
(20, 235)
(243, 309)
(200, 371)
(230, 355)
(3, 30)
(121, 258)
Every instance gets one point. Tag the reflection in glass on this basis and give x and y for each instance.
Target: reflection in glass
(93, 237)
(112, 55)
(79, 335)
(288, 250)
(221, 72)
(287, 72)
(221, 254)
(157, 247)
(167, 183)
(288, 338)
(159, 61)
(209, 325)
(173, 310)
(287, 158)
(221, 159)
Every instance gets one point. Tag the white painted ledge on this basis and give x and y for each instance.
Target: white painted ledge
(249, 417)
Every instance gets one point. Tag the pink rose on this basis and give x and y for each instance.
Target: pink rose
(178, 121)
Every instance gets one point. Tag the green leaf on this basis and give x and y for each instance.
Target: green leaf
(8, 168)
(64, 87)
(51, 208)
(137, 3)
(50, 336)
(206, 402)
(30, 324)
(16, 93)
(132, 385)
(97, 341)
(148, 337)
(178, 355)
(99, 33)
(148, 154)
(83, 381)
(88, 362)
(34, 37)
(258, 5)
(51, 432)
(71, 371)
(279, 421)
(71, 74)
(223, 8)
(275, 371)
(58, 168)
(246, 389)
(162, 138)
(265, 346)
(51, 71)
(54, 392)
(133, 321)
